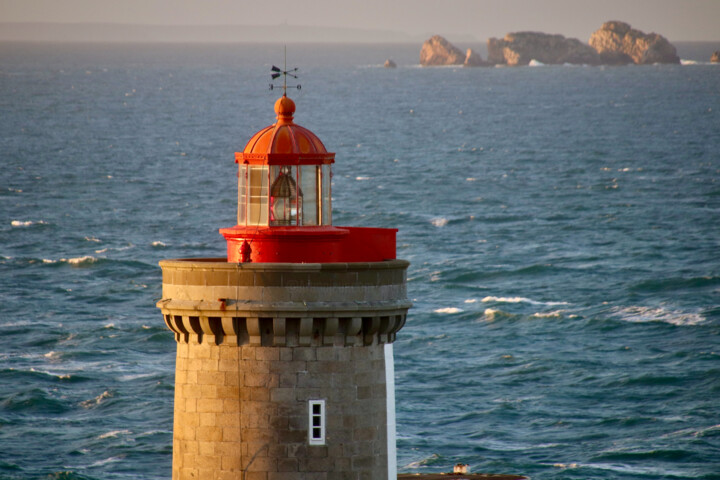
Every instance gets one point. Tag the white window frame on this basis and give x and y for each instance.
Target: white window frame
(316, 422)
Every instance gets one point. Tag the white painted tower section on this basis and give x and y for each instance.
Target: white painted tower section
(391, 427)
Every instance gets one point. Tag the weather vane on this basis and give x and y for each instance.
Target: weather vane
(276, 72)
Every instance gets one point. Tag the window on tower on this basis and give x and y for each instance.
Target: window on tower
(316, 424)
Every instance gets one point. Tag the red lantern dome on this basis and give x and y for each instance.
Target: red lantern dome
(284, 137)
(285, 202)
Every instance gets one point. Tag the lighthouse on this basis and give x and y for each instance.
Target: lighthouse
(284, 366)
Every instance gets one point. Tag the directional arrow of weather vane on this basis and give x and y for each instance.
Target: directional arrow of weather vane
(277, 72)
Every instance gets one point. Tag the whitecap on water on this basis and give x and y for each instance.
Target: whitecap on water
(639, 314)
(79, 261)
(447, 310)
(518, 300)
(26, 223)
(439, 221)
(158, 244)
(553, 314)
(97, 401)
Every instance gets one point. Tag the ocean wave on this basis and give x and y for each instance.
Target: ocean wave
(492, 314)
(68, 475)
(668, 284)
(424, 462)
(27, 223)
(15, 375)
(447, 310)
(672, 455)
(93, 402)
(713, 431)
(552, 314)
(518, 300)
(159, 244)
(114, 434)
(439, 221)
(651, 472)
(639, 314)
(36, 401)
(105, 461)
(85, 260)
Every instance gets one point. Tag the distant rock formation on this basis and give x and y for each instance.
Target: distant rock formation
(520, 47)
(715, 57)
(438, 51)
(473, 59)
(618, 43)
(389, 64)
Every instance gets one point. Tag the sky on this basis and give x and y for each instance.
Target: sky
(678, 20)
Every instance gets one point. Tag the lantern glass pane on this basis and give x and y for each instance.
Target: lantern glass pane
(326, 195)
(242, 195)
(257, 213)
(310, 184)
(284, 204)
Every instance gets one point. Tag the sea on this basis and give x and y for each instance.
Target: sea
(562, 224)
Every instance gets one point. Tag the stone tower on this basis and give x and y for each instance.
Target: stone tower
(284, 364)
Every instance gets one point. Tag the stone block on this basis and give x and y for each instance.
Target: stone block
(206, 448)
(227, 420)
(228, 365)
(256, 476)
(234, 379)
(304, 354)
(209, 434)
(288, 367)
(207, 419)
(227, 392)
(267, 353)
(192, 391)
(189, 474)
(316, 464)
(258, 394)
(364, 392)
(365, 462)
(287, 380)
(305, 394)
(285, 475)
(287, 465)
(283, 395)
(210, 405)
(189, 459)
(266, 380)
(315, 381)
(264, 464)
(231, 434)
(366, 434)
(211, 378)
(230, 463)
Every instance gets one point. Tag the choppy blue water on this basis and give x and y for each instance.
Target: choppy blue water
(563, 225)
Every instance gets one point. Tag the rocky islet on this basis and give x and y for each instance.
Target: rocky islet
(614, 43)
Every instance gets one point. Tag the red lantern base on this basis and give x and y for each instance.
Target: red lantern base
(310, 244)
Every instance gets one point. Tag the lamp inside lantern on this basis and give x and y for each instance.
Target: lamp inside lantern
(285, 198)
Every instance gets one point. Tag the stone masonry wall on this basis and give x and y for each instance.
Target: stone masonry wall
(255, 342)
(246, 408)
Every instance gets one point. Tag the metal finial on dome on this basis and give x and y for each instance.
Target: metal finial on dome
(277, 72)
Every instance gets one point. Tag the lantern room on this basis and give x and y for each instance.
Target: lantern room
(285, 206)
(284, 175)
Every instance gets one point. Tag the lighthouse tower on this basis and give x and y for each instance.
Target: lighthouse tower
(284, 364)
